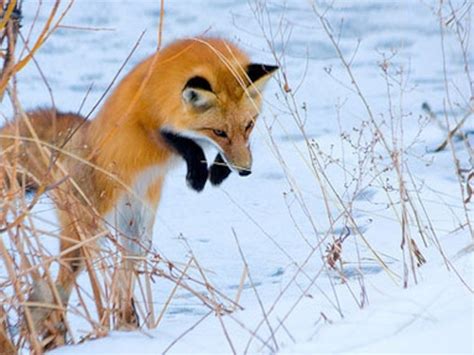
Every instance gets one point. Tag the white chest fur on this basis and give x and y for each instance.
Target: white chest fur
(132, 218)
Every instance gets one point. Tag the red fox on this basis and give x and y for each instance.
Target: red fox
(193, 90)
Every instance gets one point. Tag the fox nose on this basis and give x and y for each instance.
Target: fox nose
(245, 172)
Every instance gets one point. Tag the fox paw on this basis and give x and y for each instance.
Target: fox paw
(42, 294)
(192, 154)
(128, 318)
(56, 332)
(196, 176)
(219, 171)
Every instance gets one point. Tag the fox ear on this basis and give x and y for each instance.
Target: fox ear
(198, 93)
(259, 75)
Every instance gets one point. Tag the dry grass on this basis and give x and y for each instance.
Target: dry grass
(382, 157)
(27, 261)
(383, 160)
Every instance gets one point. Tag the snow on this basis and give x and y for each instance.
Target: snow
(320, 313)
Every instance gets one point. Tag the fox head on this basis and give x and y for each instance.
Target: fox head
(225, 113)
(215, 96)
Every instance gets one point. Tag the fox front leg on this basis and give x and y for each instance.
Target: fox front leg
(194, 157)
(219, 171)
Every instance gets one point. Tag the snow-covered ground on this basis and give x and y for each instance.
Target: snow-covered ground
(314, 311)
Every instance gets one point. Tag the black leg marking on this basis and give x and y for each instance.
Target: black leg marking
(193, 154)
(219, 171)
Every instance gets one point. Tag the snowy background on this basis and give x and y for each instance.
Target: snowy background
(309, 311)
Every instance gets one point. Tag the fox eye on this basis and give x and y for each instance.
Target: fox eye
(219, 133)
(249, 126)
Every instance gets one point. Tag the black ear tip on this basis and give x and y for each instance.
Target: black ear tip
(271, 68)
(257, 71)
